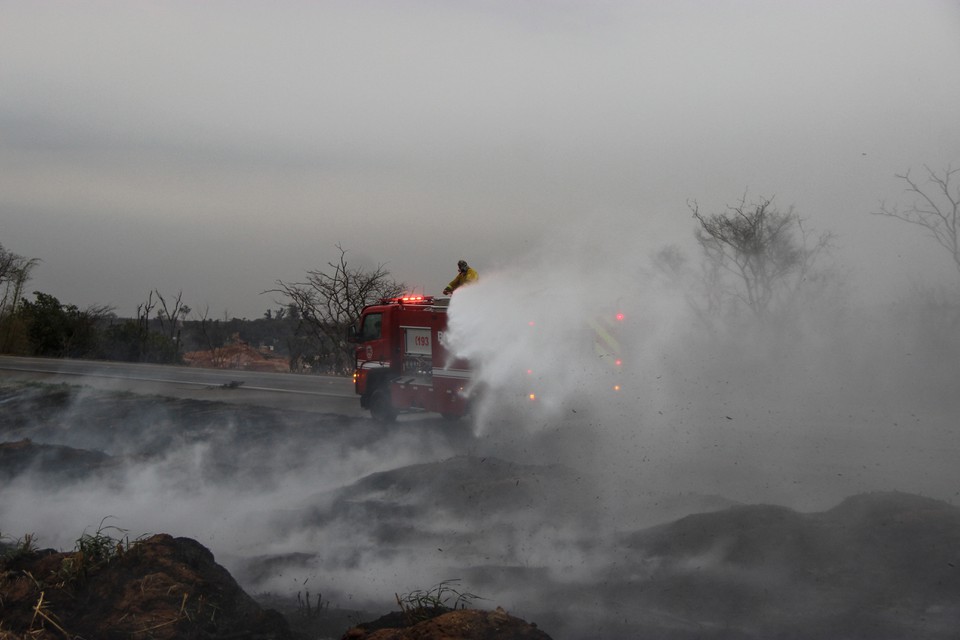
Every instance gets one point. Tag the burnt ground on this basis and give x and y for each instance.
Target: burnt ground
(230, 521)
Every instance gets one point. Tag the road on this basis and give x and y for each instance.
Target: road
(324, 394)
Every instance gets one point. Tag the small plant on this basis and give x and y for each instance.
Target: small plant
(306, 609)
(19, 547)
(422, 605)
(92, 552)
(101, 548)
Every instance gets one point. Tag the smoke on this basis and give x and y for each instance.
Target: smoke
(708, 404)
(527, 503)
(547, 334)
(224, 476)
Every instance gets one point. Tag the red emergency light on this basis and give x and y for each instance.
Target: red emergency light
(619, 317)
(409, 299)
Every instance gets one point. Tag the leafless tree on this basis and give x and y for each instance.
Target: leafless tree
(14, 273)
(701, 291)
(7, 261)
(756, 255)
(170, 316)
(669, 261)
(144, 309)
(934, 206)
(328, 302)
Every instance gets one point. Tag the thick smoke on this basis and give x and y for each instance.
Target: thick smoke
(755, 411)
(539, 326)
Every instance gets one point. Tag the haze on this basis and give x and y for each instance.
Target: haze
(214, 148)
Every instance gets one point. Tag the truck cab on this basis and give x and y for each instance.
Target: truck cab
(401, 364)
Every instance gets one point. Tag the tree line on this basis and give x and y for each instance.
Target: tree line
(755, 261)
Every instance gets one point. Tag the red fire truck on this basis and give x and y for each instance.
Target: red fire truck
(401, 362)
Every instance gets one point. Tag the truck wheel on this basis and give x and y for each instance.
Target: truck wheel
(380, 407)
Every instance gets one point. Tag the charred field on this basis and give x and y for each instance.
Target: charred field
(326, 519)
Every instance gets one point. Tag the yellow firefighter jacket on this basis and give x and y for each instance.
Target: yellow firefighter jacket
(463, 278)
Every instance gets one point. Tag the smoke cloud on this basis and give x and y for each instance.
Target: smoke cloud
(529, 503)
(776, 411)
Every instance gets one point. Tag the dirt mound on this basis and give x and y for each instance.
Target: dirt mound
(879, 565)
(169, 588)
(160, 587)
(463, 624)
(57, 461)
(237, 355)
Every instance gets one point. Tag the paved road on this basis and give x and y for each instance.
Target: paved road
(325, 394)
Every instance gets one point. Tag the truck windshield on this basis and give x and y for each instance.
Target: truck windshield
(370, 330)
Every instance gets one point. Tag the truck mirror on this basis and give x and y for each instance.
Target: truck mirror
(352, 334)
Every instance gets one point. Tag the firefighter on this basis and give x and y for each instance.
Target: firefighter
(465, 275)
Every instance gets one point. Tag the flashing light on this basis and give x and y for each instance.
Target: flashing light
(619, 317)
(532, 396)
(531, 323)
(529, 372)
(618, 362)
(408, 299)
(616, 387)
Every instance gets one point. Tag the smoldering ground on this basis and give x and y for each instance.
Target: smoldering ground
(305, 502)
(573, 510)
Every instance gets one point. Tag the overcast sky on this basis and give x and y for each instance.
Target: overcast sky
(216, 147)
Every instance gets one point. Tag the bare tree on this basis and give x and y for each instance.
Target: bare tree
(669, 261)
(144, 309)
(7, 261)
(328, 302)
(935, 207)
(14, 273)
(702, 291)
(171, 316)
(756, 255)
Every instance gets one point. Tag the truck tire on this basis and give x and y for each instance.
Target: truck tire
(381, 408)
(454, 417)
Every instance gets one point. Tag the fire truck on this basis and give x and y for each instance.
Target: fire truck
(401, 362)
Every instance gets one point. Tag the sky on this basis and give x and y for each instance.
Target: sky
(215, 148)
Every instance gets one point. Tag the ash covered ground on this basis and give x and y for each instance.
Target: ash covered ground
(738, 524)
